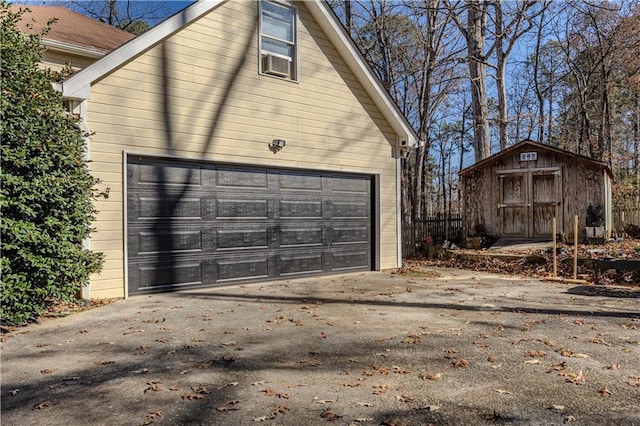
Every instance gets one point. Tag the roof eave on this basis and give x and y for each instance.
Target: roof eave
(74, 49)
(78, 86)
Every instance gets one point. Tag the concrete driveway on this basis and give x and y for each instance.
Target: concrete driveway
(443, 347)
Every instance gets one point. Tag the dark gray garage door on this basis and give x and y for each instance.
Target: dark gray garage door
(196, 224)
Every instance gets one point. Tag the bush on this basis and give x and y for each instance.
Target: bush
(46, 191)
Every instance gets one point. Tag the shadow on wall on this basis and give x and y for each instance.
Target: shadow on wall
(164, 224)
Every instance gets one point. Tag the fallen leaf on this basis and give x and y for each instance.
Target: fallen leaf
(502, 391)
(364, 419)
(430, 376)
(280, 409)
(262, 419)
(101, 362)
(364, 404)
(329, 415)
(461, 363)
(229, 405)
(532, 361)
(380, 389)
(191, 396)
(599, 341)
(557, 407)
(561, 366)
(149, 418)
(633, 383)
(613, 366)
(153, 386)
(46, 371)
(42, 405)
(405, 398)
(322, 401)
(580, 379)
(536, 354)
(200, 389)
(605, 391)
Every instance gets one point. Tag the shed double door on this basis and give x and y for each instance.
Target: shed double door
(528, 201)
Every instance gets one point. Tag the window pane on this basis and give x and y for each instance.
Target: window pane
(277, 21)
(277, 47)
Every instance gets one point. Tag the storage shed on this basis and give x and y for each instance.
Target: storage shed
(517, 192)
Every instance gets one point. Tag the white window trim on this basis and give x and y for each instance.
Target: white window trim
(261, 52)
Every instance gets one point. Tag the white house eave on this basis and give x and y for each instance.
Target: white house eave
(350, 54)
(78, 85)
(59, 46)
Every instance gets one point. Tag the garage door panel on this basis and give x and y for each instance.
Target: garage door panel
(238, 224)
(301, 237)
(165, 174)
(300, 209)
(176, 209)
(343, 260)
(242, 209)
(238, 179)
(242, 268)
(312, 263)
(350, 235)
(349, 184)
(169, 242)
(350, 209)
(242, 239)
(290, 181)
(159, 276)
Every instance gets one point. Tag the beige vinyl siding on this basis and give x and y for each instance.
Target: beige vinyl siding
(326, 118)
(57, 60)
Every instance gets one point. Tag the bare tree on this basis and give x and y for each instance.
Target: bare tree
(475, 34)
(129, 15)
(519, 22)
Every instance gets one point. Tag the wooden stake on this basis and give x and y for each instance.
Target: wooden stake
(555, 249)
(575, 257)
(575, 247)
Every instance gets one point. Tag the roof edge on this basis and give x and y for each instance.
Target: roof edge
(536, 145)
(78, 85)
(60, 46)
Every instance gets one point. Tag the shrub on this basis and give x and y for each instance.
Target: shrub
(46, 188)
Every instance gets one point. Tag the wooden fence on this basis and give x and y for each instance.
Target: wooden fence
(624, 215)
(438, 227)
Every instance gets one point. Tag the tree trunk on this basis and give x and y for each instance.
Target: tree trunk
(476, 31)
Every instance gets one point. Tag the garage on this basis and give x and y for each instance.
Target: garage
(192, 224)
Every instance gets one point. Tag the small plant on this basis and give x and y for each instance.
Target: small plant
(594, 216)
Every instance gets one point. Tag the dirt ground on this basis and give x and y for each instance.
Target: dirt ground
(433, 346)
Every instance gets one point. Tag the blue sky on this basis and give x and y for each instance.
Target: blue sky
(169, 7)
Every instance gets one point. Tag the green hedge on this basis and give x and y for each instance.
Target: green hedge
(46, 189)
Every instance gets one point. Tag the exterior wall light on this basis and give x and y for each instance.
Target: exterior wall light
(277, 144)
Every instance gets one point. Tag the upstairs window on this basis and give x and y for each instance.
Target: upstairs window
(278, 40)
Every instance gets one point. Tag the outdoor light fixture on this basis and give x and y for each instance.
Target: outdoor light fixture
(277, 145)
